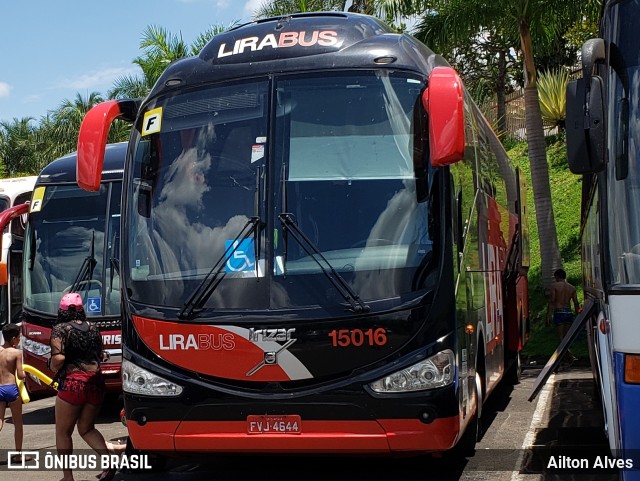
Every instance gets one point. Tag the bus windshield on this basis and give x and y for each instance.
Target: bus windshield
(66, 248)
(342, 191)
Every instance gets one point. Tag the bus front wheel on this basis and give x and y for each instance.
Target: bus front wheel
(466, 445)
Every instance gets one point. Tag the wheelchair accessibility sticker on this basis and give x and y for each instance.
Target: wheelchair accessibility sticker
(243, 258)
(94, 305)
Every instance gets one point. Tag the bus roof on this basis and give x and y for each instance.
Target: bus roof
(63, 170)
(14, 186)
(298, 43)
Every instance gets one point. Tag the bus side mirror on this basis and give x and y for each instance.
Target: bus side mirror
(92, 139)
(6, 217)
(585, 114)
(585, 127)
(443, 99)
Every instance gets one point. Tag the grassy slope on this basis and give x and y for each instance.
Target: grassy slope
(565, 193)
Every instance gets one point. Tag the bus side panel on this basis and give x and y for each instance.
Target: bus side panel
(604, 356)
(623, 328)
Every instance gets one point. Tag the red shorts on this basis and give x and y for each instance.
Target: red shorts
(79, 388)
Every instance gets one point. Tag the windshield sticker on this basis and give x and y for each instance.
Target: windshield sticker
(94, 305)
(257, 152)
(36, 201)
(152, 121)
(242, 257)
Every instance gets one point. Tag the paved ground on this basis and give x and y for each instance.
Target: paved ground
(519, 439)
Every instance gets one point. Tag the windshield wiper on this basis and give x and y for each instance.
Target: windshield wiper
(85, 274)
(349, 295)
(115, 268)
(114, 259)
(213, 278)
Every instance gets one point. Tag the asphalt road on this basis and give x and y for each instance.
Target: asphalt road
(520, 438)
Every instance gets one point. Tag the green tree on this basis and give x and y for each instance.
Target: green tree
(18, 154)
(65, 123)
(540, 19)
(484, 59)
(552, 86)
(203, 39)
(160, 48)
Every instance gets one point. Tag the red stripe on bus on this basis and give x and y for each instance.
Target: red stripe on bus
(381, 436)
(153, 436)
(211, 350)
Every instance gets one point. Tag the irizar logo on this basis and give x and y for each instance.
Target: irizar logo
(270, 358)
(323, 38)
(278, 335)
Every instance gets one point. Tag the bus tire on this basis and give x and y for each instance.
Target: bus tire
(466, 445)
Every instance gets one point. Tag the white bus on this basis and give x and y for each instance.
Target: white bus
(13, 191)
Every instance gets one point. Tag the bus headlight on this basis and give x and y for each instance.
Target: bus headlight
(35, 347)
(435, 371)
(136, 380)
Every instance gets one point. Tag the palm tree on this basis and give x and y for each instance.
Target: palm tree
(204, 38)
(18, 154)
(65, 122)
(542, 19)
(160, 48)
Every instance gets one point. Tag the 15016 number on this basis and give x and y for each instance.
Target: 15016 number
(358, 337)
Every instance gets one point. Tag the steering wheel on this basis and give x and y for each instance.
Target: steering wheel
(375, 242)
(83, 283)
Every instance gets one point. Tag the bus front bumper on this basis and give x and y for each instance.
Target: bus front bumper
(382, 436)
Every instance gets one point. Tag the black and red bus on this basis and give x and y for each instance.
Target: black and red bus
(325, 245)
(72, 244)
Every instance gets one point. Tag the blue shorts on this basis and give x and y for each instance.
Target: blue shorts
(9, 393)
(564, 315)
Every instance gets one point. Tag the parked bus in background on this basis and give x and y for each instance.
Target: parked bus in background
(325, 248)
(71, 245)
(603, 114)
(13, 191)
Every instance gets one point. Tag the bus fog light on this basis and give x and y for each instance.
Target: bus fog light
(435, 371)
(136, 380)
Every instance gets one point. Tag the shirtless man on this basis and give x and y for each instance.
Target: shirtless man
(10, 367)
(561, 295)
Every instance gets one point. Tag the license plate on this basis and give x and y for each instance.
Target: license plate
(287, 424)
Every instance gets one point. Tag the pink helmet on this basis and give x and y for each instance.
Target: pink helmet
(71, 299)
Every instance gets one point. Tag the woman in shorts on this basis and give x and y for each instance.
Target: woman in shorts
(76, 351)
